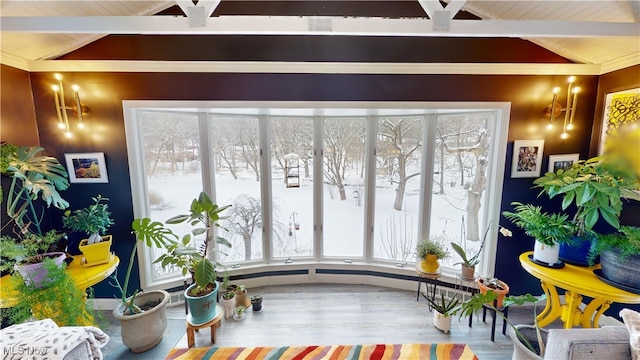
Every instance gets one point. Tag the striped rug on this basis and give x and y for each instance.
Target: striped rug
(444, 351)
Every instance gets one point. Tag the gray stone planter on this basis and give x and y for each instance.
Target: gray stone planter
(623, 273)
(142, 332)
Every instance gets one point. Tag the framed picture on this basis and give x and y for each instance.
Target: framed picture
(621, 109)
(620, 134)
(562, 161)
(87, 168)
(527, 158)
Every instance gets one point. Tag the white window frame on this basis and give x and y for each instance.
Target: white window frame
(491, 208)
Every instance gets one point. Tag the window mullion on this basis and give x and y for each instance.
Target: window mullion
(318, 177)
(264, 127)
(370, 185)
(426, 177)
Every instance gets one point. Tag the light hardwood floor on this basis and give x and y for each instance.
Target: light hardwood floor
(323, 314)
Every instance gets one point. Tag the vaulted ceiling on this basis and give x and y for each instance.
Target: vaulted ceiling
(602, 34)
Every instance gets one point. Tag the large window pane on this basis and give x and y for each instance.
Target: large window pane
(460, 179)
(398, 167)
(343, 190)
(236, 152)
(292, 186)
(172, 167)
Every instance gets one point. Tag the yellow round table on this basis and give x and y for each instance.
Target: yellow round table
(84, 277)
(577, 281)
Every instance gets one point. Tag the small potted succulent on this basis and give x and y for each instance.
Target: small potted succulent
(499, 287)
(429, 252)
(256, 302)
(93, 220)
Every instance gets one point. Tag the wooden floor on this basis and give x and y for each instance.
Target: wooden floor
(324, 314)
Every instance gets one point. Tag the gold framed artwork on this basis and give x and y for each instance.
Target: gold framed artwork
(527, 158)
(620, 134)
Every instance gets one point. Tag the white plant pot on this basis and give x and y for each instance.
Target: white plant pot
(545, 253)
(441, 322)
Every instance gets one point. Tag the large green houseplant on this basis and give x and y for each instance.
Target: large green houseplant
(549, 230)
(142, 316)
(34, 178)
(529, 341)
(596, 189)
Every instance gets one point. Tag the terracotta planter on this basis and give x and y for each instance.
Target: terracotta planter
(468, 272)
(98, 253)
(500, 293)
(430, 264)
(142, 332)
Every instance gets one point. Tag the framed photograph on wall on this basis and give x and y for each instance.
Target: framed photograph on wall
(86, 167)
(527, 158)
(562, 161)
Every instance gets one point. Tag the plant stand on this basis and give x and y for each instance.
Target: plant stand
(213, 324)
(430, 282)
(494, 315)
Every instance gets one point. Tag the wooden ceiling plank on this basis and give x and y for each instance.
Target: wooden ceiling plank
(274, 25)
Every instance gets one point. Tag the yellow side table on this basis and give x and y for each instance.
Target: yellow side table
(83, 277)
(577, 282)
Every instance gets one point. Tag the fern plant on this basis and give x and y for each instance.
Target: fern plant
(549, 229)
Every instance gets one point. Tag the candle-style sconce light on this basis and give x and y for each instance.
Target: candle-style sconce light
(554, 109)
(78, 109)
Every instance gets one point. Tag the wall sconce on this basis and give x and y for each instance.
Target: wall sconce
(554, 109)
(78, 109)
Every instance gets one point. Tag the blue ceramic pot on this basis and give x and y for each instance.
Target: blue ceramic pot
(577, 252)
(202, 309)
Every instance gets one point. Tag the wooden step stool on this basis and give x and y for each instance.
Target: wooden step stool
(213, 324)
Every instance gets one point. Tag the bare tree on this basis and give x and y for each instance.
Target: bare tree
(403, 136)
(293, 135)
(341, 140)
(245, 218)
(397, 239)
(468, 135)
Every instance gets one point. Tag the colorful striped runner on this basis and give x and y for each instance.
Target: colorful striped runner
(444, 351)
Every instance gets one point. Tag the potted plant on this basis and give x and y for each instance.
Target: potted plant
(549, 230)
(228, 302)
(93, 221)
(239, 314)
(202, 295)
(33, 177)
(596, 188)
(429, 252)
(142, 316)
(495, 285)
(57, 297)
(241, 297)
(619, 257)
(256, 302)
(468, 263)
(529, 341)
(26, 254)
(443, 311)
